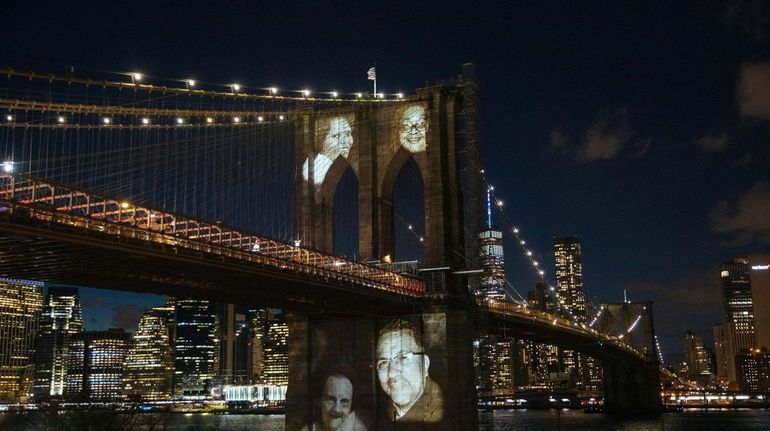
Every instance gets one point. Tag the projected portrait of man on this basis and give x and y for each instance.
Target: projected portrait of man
(337, 134)
(336, 404)
(412, 126)
(402, 370)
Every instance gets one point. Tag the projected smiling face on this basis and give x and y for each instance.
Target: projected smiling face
(412, 128)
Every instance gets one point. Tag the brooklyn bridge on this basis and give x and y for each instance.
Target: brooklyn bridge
(234, 193)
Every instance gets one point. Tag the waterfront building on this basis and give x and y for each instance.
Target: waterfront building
(149, 365)
(196, 348)
(276, 349)
(753, 368)
(760, 298)
(21, 303)
(737, 300)
(697, 357)
(255, 361)
(97, 373)
(61, 319)
(492, 259)
(568, 254)
(724, 350)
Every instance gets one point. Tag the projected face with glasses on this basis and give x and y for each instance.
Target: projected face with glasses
(402, 367)
(412, 126)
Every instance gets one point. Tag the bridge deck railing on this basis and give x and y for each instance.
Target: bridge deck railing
(513, 309)
(70, 207)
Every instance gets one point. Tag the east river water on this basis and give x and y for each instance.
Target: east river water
(498, 420)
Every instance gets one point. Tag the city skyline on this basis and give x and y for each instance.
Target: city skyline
(649, 146)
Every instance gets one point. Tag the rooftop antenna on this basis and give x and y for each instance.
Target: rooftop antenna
(625, 296)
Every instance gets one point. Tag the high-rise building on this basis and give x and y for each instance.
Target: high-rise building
(149, 365)
(196, 360)
(97, 375)
(61, 319)
(724, 350)
(760, 298)
(738, 304)
(226, 336)
(492, 259)
(276, 349)
(753, 367)
(697, 357)
(568, 253)
(255, 362)
(21, 302)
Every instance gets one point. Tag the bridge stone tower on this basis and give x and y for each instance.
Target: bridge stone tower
(438, 130)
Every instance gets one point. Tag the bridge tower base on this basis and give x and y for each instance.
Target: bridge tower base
(631, 390)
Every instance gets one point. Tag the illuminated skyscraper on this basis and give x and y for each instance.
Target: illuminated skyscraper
(61, 319)
(724, 350)
(760, 297)
(697, 357)
(97, 375)
(739, 309)
(276, 349)
(21, 302)
(256, 350)
(196, 360)
(149, 366)
(569, 275)
(492, 259)
(753, 368)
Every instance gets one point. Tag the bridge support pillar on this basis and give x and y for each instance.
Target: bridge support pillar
(631, 389)
(329, 346)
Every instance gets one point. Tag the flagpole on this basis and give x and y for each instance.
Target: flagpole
(375, 85)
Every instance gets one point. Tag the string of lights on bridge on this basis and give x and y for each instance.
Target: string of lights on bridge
(142, 81)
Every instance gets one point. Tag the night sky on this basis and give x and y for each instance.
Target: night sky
(642, 127)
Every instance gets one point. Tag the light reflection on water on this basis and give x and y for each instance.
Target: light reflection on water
(503, 420)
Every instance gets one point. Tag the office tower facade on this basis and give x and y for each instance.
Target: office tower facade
(95, 368)
(568, 253)
(255, 361)
(196, 348)
(61, 319)
(760, 297)
(149, 367)
(697, 357)
(737, 300)
(226, 336)
(724, 350)
(276, 371)
(753, 368)
(21, 303)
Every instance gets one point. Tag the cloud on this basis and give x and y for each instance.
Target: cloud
(713, 143)
(754, 91)
(751, 18)
(126, 316)
(606, 137)
(745, 219)
(559, 145)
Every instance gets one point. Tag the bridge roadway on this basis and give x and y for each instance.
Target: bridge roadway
(58, 234)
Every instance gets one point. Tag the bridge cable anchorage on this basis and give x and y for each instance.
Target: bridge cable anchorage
(184, 87)
(522, 245)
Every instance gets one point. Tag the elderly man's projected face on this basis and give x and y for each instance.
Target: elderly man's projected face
(336, 402)
(339, 138)
(402, 367)
(412, 128)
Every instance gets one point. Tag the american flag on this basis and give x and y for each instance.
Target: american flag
(371, 74)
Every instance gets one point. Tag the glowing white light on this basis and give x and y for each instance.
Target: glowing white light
(137, 76)
(191, 82)
(236, 87)
(541, 272)
(359, 95)
(334, 94)
(306, 93)
(273, 90)
(410, 227)
(297, 242)
(124, 205)
(380, 95)
(8, 166)
(482, 171)
(145, 121)
(400, 95)
(534, 262)
(209, 120)
(529, 253)
(760, 267)
(180, 120)
(9, 117)
(61, 120)
(106, 120)
(260, 118)
(499, 203)
(422, 239)
(236, 119)
(281, 117)
(255, 247)
(491, 188)
(522, 242)
(725, 273)
(515, 230)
